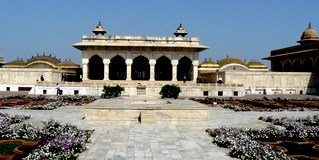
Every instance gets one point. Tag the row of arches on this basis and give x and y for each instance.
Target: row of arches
(297, 66)
(140, 69)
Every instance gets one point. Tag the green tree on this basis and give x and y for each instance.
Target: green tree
(170, 91)
(111, 92)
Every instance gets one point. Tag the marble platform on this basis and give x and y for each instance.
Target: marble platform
(146, 110)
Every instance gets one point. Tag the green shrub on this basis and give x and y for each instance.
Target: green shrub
(111, 92)
(7, 148)
(170, 91)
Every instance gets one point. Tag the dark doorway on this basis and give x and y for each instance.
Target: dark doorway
(163, 69)
(297, 66)
(287, 67)
(140, 68)
(184, 69)
(96, 68)
(277, 66)
(316, 66)
(308, 66)
(117, 68)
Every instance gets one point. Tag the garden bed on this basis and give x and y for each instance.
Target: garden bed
(260, 105)
(42, 102)
(299, 140)
(306, 149)
(53, 141)
(306, 141)
(265, 104)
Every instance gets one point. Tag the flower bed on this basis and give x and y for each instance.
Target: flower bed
(271, 142)
(6, 120)
(269, 106)
(265, 104)
(60, 141)
(301, 135)
(41, 102)
(56, 140)
(242, 144)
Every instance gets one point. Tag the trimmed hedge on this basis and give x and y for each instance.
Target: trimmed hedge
(111, 92)
(170, 91)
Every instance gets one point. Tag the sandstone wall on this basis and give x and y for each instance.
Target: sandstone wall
(28, 75)
(272, 79)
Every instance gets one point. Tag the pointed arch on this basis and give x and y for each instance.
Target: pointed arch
(287, 67)
(140, 68)
(308, 66)
(96, 68)
(277, 66)
(297, 67)
(117, 68)
(163, 69)
(185, 69)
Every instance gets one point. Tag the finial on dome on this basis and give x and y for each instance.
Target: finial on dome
(180, 31)
(310, 35)
(99, 29)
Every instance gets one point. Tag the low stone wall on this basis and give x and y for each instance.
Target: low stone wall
(133, 89)
(235, 84)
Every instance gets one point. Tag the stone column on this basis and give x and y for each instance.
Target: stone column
(85, 69)
(128, 69)
(152, 69)
(174, 69)
(195, 70)
(106, 63)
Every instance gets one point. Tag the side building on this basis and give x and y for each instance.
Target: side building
(299, 58)
(21, 75)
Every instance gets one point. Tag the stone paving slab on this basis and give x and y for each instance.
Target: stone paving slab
(154, 141)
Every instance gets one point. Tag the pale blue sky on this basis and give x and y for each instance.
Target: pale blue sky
(245, 29)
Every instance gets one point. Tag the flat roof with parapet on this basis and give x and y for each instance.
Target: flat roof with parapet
(139, 41)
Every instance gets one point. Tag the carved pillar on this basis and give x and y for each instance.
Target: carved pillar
(195, 70)
(106, 63)
(85, 69)
(152, 69)
(128, 69)
(174, 70)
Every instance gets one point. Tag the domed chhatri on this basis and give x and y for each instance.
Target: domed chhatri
(99, 29)
(44, 57)
(39, 61)
(310, 35)
(254, 64)
(208, 64)
(229, 60)
(180, 31)
(18, 63)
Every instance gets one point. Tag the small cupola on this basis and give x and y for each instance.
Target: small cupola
(180, 31)
(310, 35)
(99, 29)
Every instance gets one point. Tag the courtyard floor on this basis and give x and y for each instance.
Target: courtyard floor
(167, 141)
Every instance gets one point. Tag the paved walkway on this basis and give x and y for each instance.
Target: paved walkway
(167, 141)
